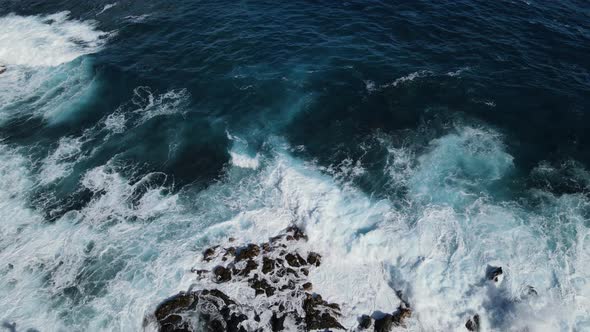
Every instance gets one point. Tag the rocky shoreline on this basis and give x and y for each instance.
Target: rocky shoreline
(277, 271)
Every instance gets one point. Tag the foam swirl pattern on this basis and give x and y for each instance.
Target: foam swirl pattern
(417, 144)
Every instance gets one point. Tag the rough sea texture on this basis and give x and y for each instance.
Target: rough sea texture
(415, 142)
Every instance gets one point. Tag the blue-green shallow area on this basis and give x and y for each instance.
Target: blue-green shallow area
(160, 119)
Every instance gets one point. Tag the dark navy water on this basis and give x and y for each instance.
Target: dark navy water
(179, 110)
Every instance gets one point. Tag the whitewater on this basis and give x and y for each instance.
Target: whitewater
(452, 205)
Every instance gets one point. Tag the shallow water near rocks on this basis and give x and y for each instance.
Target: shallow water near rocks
(416, 145)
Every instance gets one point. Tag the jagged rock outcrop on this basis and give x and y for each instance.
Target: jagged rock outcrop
(276, 271)
(206, 310)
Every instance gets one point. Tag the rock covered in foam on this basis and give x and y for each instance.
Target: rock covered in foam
(385, 322)
(208, 310)
(494, 273)
(275, 271)
(365, 322)
(473, 323)
(2, 69)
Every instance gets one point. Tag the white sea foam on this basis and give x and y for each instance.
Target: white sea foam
(121, 200)
(149, 106)
(107, 7)
(458, 72)
(478, 161)
(19, 226)
(95, 250)
(44, 65)
(59, 163)
(408, 78)
(51, 93)
(436, 249)
(133, 244)
(370, 86)
(48, 40)
(137, 18)
(240, 157)
(244, 161)
(115, 123)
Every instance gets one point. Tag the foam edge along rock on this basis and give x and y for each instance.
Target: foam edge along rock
(276, 271)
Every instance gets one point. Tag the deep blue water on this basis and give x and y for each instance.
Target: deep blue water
(438, 105)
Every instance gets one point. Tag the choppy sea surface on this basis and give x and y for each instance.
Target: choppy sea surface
(415, 142)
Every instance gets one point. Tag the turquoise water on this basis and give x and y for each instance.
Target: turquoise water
(415, 143)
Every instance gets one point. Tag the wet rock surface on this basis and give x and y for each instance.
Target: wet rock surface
(276, 274)
(365, 322)
(473, 323)
(494, 273)
(385, 322)
(207, 310)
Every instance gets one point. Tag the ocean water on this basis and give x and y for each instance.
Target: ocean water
(416, 143)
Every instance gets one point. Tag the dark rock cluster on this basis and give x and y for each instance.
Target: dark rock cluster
(274, 270)
(473, 323)
(385, 322)
(207, 310)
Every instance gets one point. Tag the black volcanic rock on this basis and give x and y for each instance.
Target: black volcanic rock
(209, 252)
(221, 274)
(250, 251)
(261, 286)
(493, 273)
(473, 323)
(314, 259)
(295, 260)
(213, 309)
(274, 270)
(365, 322)
(384, 324)
(319, 314)
(268, 265)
